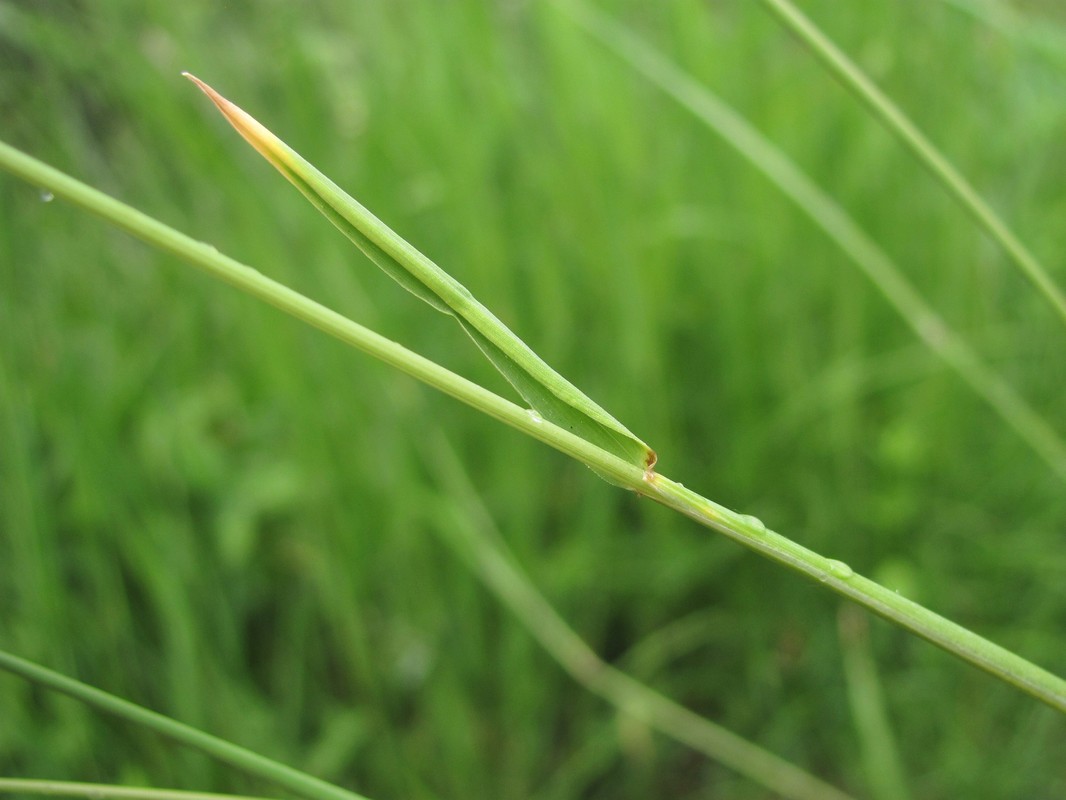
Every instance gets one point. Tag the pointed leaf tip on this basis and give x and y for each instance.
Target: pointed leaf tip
(203, 86)
(268, 145)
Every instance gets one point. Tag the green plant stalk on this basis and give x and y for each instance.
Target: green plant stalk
(245, 760)
(1027, 30)
(98, 791)
(207, 258)
(893, 118)
(880, 755)
(890, 280)
(472, 534)
(745, 530)
(839, 577)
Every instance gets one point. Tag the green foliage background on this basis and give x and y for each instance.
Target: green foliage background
(216, 512)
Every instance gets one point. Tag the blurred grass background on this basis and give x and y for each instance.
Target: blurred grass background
(214, 511)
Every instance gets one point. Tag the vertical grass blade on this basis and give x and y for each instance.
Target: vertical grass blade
(549, 394)
(893, 118)
(880, 755)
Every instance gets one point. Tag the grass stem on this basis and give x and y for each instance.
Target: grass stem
(745, 530)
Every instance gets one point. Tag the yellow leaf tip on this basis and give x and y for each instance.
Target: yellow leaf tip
(203, 87)
(268, 145)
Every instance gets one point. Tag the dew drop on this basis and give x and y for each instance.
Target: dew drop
(47, 196)
(753, 522)
(838, 569)
(533, 415)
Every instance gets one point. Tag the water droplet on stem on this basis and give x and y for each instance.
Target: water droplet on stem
(838, 569)
(753, 522)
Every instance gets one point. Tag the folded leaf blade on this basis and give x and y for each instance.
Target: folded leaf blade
(547, 392)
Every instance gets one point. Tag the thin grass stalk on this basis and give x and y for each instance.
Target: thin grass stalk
(887, 603)
(105, 791)
(471, 531)
(825, 212)
(208, 259)
(880, 754)
(1044, 37)
(241, 758)
(745, 530)
(892, 117)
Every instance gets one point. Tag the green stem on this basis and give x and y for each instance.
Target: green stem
(210, 260)
(893, 118)
(839, 577)
(877, 744)
(251, 763)
(745, 530)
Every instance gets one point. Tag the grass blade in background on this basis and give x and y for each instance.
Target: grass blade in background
(103, 791)
(1023, 29)
(267, 769)
(880, 755)
(930, 157)
(469, 530)
(837, 224)
(549, 394)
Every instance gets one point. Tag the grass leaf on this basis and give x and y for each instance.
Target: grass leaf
(550, 395)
